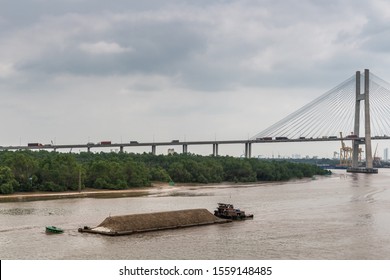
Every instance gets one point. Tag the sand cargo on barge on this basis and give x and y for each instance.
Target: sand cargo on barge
(138, 223)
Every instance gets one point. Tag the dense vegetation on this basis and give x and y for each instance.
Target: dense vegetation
(27, 171)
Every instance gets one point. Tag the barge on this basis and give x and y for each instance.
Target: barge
(139, 223)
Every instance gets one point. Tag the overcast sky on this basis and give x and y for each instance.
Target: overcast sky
(77, 71)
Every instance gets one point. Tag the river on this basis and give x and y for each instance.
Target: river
(343, 216)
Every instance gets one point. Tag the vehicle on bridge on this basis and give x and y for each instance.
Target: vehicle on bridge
(133, 142)
(105, 143)
(34, 145)
(264, 138)
(281, 138)
(352, 136)
(175, 141)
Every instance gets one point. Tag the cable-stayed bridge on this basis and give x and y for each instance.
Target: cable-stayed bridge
(337, 112)
(334, 112)
(333, 116)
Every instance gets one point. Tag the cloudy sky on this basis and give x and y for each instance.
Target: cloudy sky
(74, 71)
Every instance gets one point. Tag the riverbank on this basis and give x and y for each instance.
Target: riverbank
(91, 193)
(156, 188)
(58, 172)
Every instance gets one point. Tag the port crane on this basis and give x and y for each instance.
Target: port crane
(346, 153)
(377, 160)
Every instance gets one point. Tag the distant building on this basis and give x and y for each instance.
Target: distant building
(386, 154)
(171, 151)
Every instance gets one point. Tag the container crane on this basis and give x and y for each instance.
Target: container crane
(345, 153)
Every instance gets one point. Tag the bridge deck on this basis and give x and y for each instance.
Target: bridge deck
(178, 143)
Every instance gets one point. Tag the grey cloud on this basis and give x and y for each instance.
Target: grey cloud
(203, 43)
(157, 47)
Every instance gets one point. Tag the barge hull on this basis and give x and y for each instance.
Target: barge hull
(140, 223)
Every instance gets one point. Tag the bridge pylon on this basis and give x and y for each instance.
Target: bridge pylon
(367, 127)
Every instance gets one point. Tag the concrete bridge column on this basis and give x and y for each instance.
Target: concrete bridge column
(185, 148)
(248, 150)
(121, 149)
(215, 149)
(88, 149)
(359, 97)
(154, 150)
(369, 163)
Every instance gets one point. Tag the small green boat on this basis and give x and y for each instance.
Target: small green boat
(53, 229)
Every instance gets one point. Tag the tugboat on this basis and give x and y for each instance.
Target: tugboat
(227, 211)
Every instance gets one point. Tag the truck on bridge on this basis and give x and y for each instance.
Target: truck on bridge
(34, 145)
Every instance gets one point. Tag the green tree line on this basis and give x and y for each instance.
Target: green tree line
(29, 171)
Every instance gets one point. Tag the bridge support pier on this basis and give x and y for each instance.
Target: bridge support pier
(89, 149)
(154, 150)
(185, 148)
(367, 120)
(367, 127)
(215, 149)
(248, 150)
(356, 142)
(121, 149)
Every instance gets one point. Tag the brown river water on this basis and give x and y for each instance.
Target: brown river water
(343, 216)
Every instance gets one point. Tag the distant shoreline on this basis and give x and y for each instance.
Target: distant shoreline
(157, 187)
(86, 193)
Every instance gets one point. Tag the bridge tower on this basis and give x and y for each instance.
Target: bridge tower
(367, 127)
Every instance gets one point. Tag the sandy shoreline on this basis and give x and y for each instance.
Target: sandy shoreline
(156, 188)
(93, 193)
